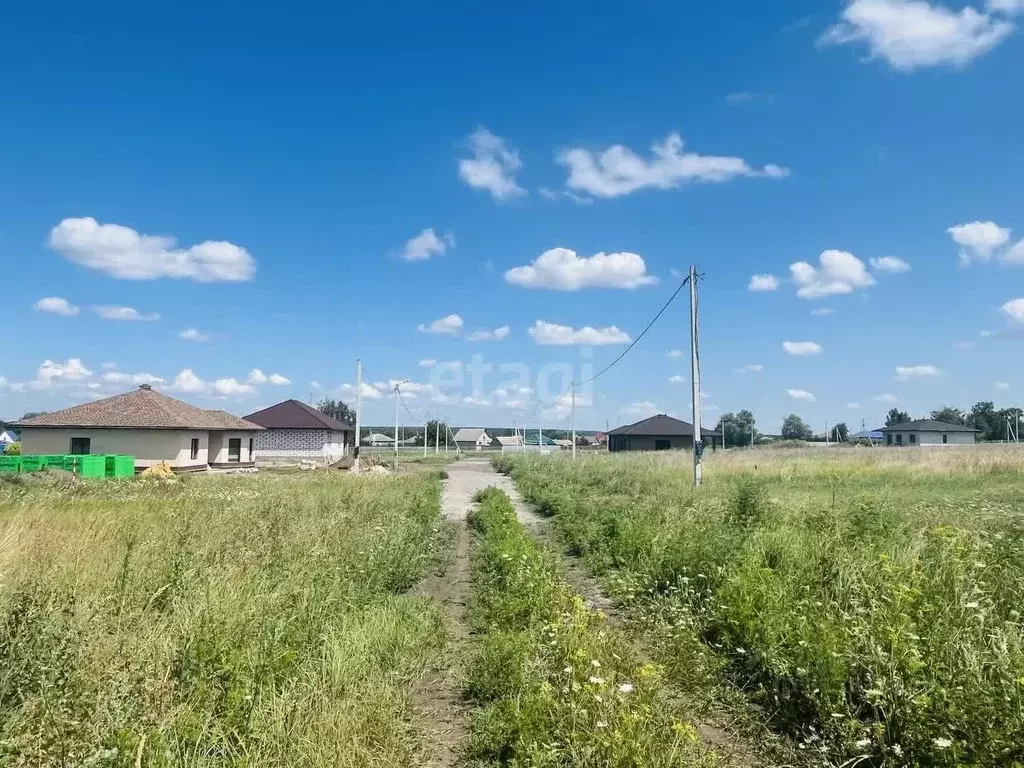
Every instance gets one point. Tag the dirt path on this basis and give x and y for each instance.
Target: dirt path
(440, 709)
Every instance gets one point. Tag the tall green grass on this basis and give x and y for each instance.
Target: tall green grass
(873, 608)
(556, 686)
(215, 621)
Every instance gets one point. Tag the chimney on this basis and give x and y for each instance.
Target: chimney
(145, 386)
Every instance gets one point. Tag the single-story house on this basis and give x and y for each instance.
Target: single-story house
(376, 438)
(929, 432)
(472, 439)
(294, 430)
(148, 425)
(658, 433)
(7, 437)
(509, 442)
(564, 443)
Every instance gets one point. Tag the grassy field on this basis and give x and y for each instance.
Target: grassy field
(868, 601)
(216, 620)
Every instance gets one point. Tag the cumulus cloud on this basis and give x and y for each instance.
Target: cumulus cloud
(233, 388)
(886, 398)
(492, 167)
(838, 272)
(126, 314)
(256, 376)
(484, 335)
(908, 372)
(802, 348)
(677, 379)
(979, 240)
(122, 252)
(912, 34)
(801, 394)
(117, 377)
(425, 245)
(52, 375)
(56, 306)
(194, 334)
(1013, 309)
(618, 170)
(187, 381)
(889, 264)
(561, 335)
(367, 391)
(448, 325)
(759, 283)
(560, 269)
(278, 380)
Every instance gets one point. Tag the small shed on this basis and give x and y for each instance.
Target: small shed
(509, 442)
(472, 439)
(658, 433)
(929, 432)
(375, 439)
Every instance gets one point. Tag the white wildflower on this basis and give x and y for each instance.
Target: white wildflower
(626, 688)
(595, 663)
(596, 680)
(602, 724)
(863, 743)
(943, 743)
(972, 604)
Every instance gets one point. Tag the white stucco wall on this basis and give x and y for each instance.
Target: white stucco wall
(219, 447)
(148, 446)
(935, 438)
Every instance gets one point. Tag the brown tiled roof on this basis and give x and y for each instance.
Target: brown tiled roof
(292, 414)
(142, 408)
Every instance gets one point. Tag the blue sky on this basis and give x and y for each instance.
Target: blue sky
(303, 188)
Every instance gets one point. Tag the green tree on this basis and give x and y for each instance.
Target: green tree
(437, 429)
(33, 414)
(949, 415)
(737, 428)
(336, 409)
(987, 420)
(840, 432)
(794, 428)
(896, 416)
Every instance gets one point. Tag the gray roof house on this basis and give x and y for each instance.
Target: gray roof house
(929, 432)
(472, 438)
(148, 425)
(658, 433)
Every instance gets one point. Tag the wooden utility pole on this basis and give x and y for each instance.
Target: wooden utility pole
(359, 411)
(396, 427)
(698, 442)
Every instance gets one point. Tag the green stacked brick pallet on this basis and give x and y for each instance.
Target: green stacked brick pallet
(10, 463)
(92, 466)
(120, 466)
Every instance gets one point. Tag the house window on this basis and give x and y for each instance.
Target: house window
(913, 438)
(80, 446)
(195, 448)
(945, 439)
(250, 448)
(235, 449)
(899, 439)
(662, 445)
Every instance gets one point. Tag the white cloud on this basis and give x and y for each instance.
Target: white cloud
(618, 170)
(908, 372)
(677, 379)
(56, 306)
(839, 272)
(367, 391)
(978, 240)
(886, 398)
(801, 394)
(194, 334)
(492, 167)
(853, 406)
(889, 264)
(233, 388)
(674, 353)
(910, 34)
(425, 245)
(1001, 385)
(743, 97)
(315, 384)
(428, 363)
(51, 374)
(122, 252)
(752, 368)
(760, 283)
(256, 376)
(117, 377)
(450, 325)
(3, 382)
(560, 269)
(496, 335)
(187, 381)
(108, 366)
(1013, 309)
(1014, 255)
(278, 380)
(642, 408)
(560, 335)
(1008, 7)
(801, 348)
(126, 314)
